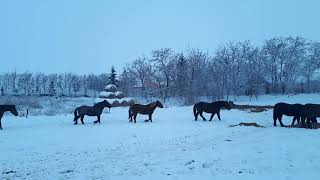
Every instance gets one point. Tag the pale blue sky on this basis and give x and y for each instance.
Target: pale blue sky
(89, 36)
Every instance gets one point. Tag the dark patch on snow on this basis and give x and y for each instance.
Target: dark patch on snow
(66, 171)
(189, 162)
(9, 172)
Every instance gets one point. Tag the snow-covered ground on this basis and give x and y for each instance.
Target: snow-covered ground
(174, 146)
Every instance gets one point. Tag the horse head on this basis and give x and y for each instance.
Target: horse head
(105, 103)
(228, 104)
(159, 104)
(13, 110)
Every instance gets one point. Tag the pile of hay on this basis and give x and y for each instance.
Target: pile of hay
(248, 124)
(252, 108)
(111, 92)
(115, 97)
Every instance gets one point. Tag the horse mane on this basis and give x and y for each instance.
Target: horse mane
(8, 106)
(153, 104)
(98, 104)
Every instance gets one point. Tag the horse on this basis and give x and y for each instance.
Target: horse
(5, 108)
(310, 113)
(280, 109)
(213, 108)
(148, 109)
(95, 110)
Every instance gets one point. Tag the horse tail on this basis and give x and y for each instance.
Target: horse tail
(76, 113)
(130, 114)
(195, 111)
(275, 116)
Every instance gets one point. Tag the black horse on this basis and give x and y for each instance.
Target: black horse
(280, 109)
(310, 113)
(95, 110)
(5, 108)
(213, 108)
(143, 109)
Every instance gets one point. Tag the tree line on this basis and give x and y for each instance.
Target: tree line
(279, 66)
(67, 84)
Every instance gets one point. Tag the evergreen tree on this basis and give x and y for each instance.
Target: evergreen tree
(52, 90)
(182, 75)
(113, 77)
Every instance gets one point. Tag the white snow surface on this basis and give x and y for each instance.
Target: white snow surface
(173, 146)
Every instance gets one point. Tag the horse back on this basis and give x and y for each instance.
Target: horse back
(312, 110)
(4, 108)
(88, 110)
(208, 107)
(288, 109)
(141, 109)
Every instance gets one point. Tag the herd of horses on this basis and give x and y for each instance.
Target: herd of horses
(304, 113)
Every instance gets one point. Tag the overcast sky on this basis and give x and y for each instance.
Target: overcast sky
(90, 36)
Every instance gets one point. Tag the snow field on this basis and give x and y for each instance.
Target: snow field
(174, 146)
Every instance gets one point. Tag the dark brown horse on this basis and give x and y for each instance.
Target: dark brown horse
(213, 108)
(95, 110)
(280, 109)
(143, 109)
(310, 113)
(5, 108)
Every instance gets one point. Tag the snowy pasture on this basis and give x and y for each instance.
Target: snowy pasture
(174, 146)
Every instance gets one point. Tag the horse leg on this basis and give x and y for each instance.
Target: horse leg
(196, 117)
(0, 123)
(218, 113)
(293, 120)
(130, 120)
(97, 120)
(195, 113)
(212, 114)
(76, 120)
(99, 117)
(150, 117)
(303, 120)
(135, 117)
(82, 117)
(309, 119)
(203, 118)
(280, 120)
